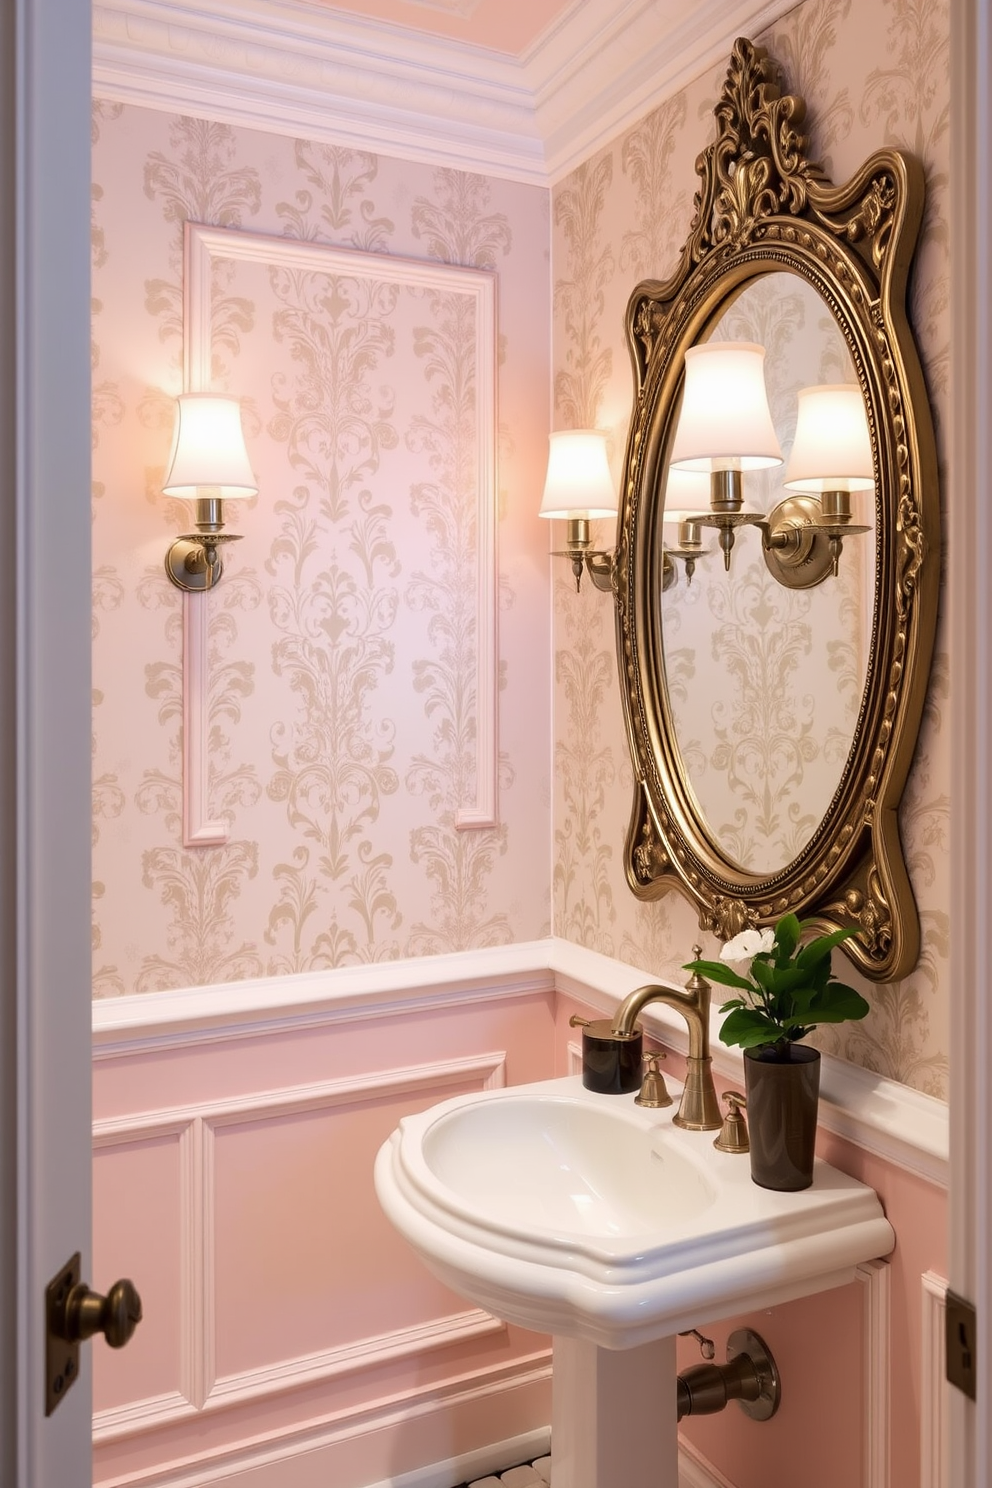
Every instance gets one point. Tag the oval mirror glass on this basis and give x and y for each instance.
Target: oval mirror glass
(765, 683)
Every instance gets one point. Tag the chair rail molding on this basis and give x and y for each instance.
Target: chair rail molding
(891, 1120)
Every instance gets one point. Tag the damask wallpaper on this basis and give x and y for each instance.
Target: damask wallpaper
(872, 74)
(344, 657)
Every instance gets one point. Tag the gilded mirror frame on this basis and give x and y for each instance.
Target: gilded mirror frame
(762, 205)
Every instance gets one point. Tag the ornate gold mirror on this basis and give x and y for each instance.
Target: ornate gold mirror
(774, 682)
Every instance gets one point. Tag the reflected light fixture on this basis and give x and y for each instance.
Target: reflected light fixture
(725, 429)
(579, 488)
(831, 457)
(209, 465)
(686, 497)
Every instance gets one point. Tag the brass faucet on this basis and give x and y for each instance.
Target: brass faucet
(699, 1109)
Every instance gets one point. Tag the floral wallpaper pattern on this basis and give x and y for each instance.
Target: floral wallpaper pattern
(342, 708)
(872, 74)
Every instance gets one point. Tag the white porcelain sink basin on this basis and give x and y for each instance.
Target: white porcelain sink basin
(584, 1216)
(563, 1166)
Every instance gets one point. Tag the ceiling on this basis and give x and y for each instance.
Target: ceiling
(525, 89)
(508, 26)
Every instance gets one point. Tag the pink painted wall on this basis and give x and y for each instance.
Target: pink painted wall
(233, 1181)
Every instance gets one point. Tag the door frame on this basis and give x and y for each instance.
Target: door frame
(45, 706)
(969, 600)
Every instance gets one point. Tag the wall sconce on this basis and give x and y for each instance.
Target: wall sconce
(686, 493)
(209, 465)
(830, 458)
(725, 428)
(579, 488)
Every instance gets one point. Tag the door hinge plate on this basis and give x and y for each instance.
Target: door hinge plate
(61, 1357)
(960, 1332)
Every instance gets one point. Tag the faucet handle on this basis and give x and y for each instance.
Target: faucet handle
(733, 1133)
(653, 1091)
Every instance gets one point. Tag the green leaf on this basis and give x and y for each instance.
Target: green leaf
(838, 1003)
(735, 1002)
(819, 949)
(787, 933)
(720, 972)
(748, 1027)
(778, 980)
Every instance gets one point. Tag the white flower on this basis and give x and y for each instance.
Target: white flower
(748, 944)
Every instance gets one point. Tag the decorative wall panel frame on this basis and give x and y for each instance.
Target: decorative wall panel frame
(199, 1387)
(206, 248)
(763, 206)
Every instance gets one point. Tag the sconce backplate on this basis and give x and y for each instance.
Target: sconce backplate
(187, 565)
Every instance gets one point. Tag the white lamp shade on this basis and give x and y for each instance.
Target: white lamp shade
(579, 483)
(725, 422)
(208, 449)
(687, 493)
(832, 447)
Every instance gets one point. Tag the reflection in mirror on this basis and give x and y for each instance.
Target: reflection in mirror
(764, 682)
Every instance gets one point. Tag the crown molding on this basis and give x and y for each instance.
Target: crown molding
(293, 68)
(602, 66)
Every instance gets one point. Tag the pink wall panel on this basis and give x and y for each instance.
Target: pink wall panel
(137, 1196)
(309, 1321)
(308, 1261)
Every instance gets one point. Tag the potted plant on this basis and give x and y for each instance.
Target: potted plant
(785, 991)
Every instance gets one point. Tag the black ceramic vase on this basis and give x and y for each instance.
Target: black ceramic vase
(783, 1092)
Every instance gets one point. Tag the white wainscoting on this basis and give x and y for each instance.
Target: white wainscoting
(321, 1446)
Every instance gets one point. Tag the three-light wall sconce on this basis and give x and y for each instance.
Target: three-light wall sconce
(725, 431)
(208, 465)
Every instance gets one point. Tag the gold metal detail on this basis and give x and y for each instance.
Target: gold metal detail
(598, 563)
(733, 1133)
(72, 1315)
(653, 1092)
(192, 561)
(763, 206)
(698, 1108)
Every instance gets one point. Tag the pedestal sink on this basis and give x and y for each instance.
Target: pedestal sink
(590, 1218)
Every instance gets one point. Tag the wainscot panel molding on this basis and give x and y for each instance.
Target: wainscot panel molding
(332, 1448)
(343, 79)
(891, 1120)
(934, 1423)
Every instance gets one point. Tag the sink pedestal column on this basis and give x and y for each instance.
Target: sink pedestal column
(613, 1416)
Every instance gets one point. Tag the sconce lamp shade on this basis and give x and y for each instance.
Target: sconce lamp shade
(579, 483)
(208, 450)
(725, 422)
(832, 447)
(686, 492)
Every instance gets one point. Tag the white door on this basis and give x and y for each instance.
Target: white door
(44, 720)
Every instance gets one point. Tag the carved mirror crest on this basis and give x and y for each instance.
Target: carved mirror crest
(773, 248)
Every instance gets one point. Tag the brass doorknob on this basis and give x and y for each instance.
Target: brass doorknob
(115, 1316)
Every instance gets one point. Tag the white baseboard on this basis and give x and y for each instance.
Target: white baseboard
(335, 1448)
(696, 1472)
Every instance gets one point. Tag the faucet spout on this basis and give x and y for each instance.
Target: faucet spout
(699, 1109)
